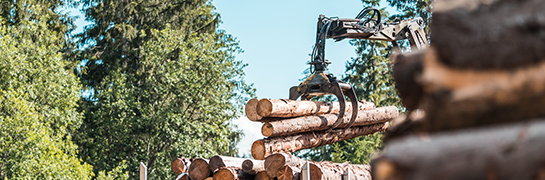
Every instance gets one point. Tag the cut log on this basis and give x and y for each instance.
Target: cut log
(288, 173)
(217, 162)
(250, 110)
(252, 166)
(199, 169)
(492, 34)
(264, 147)
(274, 162)
(406, 71)
(226, 173)
(513, 151)
(292, 108)
(331, 171)
(323, 122)
(180, 165)
(262, 175)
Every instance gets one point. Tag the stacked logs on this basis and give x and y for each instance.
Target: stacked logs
(295, 125)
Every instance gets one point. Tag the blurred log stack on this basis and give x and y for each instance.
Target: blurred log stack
(481, 88)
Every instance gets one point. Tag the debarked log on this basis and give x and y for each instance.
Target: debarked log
(291, 108)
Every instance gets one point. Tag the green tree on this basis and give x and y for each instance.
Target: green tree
(162, 80)
(38, 94)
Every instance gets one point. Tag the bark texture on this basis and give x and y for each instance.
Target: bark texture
(180, 165)
(274, 162)
(291, 108)
(323, 122)
(252, 166)
(199, 169)
(512, 151)
(264, 147)
(217, 162)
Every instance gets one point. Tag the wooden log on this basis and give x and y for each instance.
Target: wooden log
(183, 176)
(513, 151)
(292, 108)
(331, 171)
(264, 147)
(252, 166)
(250, 110)
(288, 173)
(406, 72)
(323, 122)
(226, 173)
(218, 161)
(180, 165)
(262, 175)
(199, 169)
(274, 162)
(496, 34)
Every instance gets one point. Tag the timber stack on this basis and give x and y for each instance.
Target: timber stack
(480, 88)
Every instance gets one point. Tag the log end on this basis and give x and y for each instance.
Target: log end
(247, 166)
(262, 176)
(225, 174)
(178, 166)
(285, 173)
(315, 171)
(273, 163)
(383, 169)
(215, 163)
(258, 150)
(267, 129)
(264, 107)
(199, 169)
(250, 110)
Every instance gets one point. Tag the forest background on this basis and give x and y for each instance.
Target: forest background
(150, 80)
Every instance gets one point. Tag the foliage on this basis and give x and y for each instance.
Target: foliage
(162, 80)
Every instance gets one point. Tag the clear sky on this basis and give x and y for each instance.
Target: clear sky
(277, 38)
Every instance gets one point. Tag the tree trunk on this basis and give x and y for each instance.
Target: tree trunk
(496, 34)
(323, 122)
(291, 108)
(262, 175)
(288, 173)
(199, 169)
(226, 173)
(180, 165)
(274, 162)
(252, 166)
(264, 147)
(250, 110)
(217, 162)
(514, 151)
(332, 171)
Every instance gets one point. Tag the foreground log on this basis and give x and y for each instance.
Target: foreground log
(252, 166)
(406, 71)
(250, 110)
(180, 165)
(217, 162)
(330, 171)
(512, 151)
(264, 147)
(199, 169)
(288, 173)
(226, 173)
(274, 162)
(262, 175)
(292, 108)
(323, 122)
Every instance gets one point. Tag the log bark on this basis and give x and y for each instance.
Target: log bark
(288, 173)
(252, 166)
(217, 162)
(513, 151)
(291, 108)
(274, 162)
(496, 34)
(332, 171)
(250, 110)
(262, 175)
(323, 122)
(226, 173)
(199, 169)
(264, 147)
(180, 165)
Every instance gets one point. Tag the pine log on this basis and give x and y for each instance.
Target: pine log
(292, 108)
(514, 151)
(226, 173)
(456, 98)
(332, 171)
(323, 122)
(262, 175)
(496, 34)
(252, 166)
(180, 165)
(288, 173)
(218, 161)
(199, 169)
(264, 147)
(250, 110)
(274, 162)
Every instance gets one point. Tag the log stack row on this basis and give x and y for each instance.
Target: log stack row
(291, 125)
